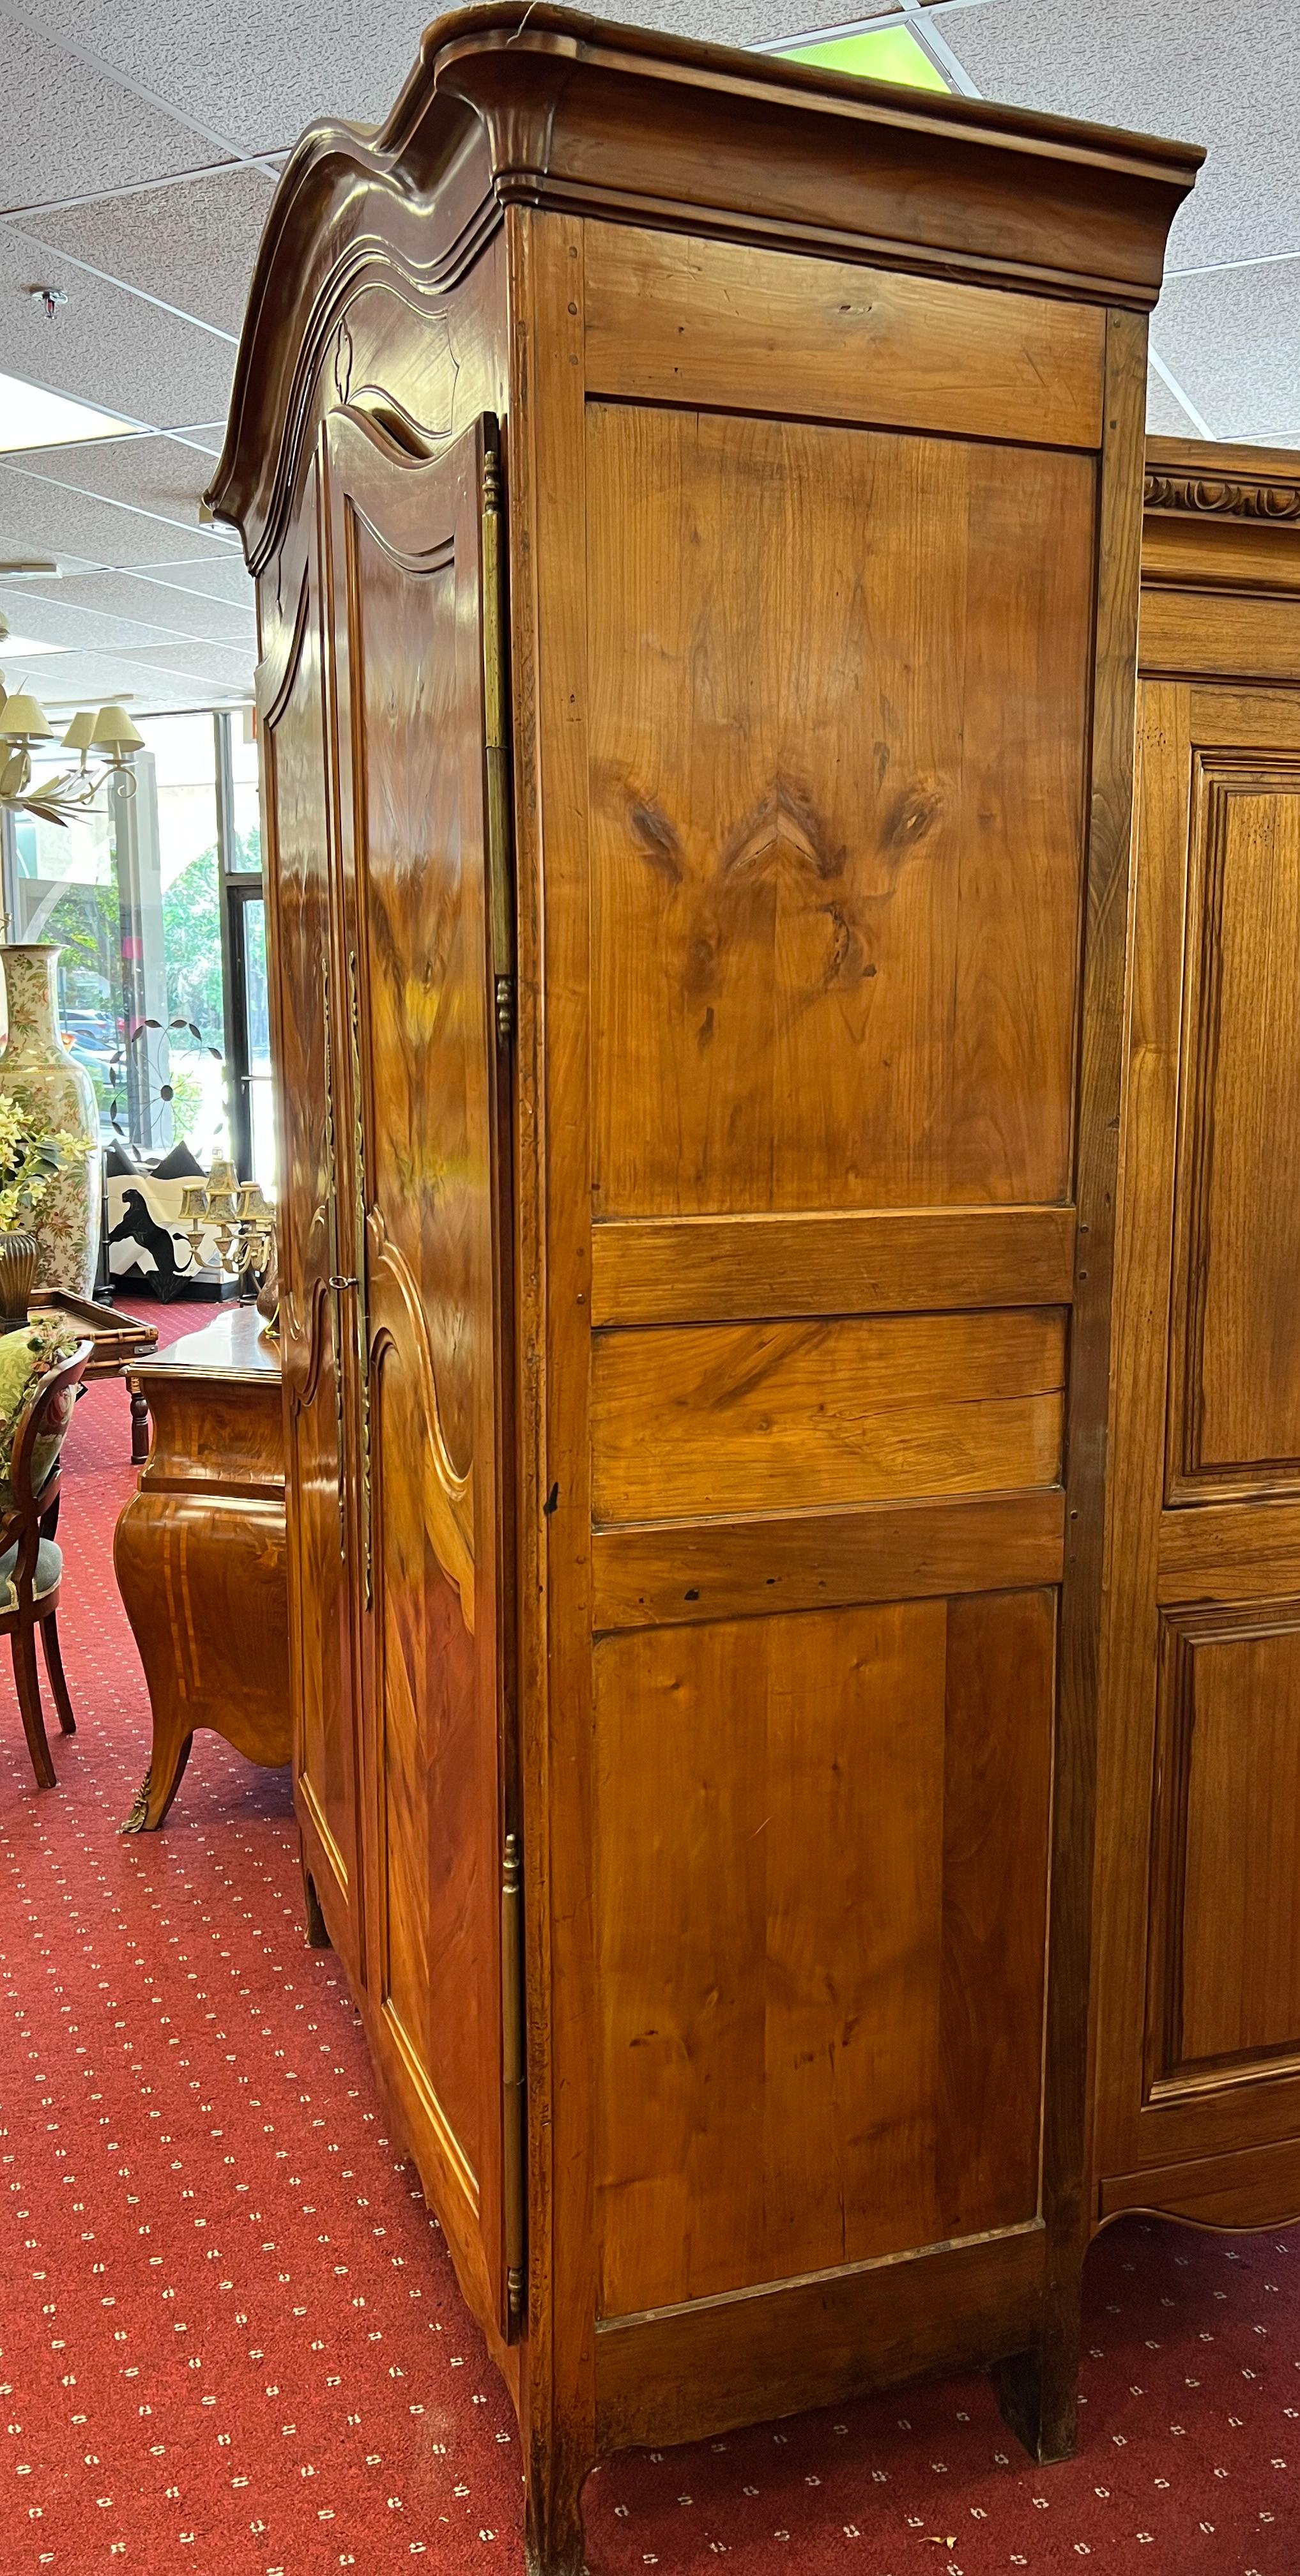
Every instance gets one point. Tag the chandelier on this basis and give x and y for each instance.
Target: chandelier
(107, 731)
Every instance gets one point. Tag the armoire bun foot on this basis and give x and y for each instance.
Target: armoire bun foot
(695, 505)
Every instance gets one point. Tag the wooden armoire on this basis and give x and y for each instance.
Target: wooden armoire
(695, 505)
(1197, 2040)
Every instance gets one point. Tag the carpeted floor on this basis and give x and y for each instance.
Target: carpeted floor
(230, 2343)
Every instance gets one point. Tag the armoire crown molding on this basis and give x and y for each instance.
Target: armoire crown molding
(1213, 515)
(1222, 482)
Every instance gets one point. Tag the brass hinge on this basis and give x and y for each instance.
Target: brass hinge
(513, 2072)
(500, 886)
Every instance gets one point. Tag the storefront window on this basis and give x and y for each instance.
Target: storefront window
(148, 896)
(246, 808)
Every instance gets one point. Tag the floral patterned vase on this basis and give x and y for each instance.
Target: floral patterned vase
(54, 1093)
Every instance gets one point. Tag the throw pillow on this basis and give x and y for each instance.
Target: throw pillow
(179, 1165)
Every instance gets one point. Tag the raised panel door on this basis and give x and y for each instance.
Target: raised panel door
(1234, 1413)
(415, 645)
(1198, 2033)
(315, 1222)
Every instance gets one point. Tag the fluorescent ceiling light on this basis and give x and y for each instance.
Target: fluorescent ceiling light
(31, 416)
(20, 648)
(875, 53)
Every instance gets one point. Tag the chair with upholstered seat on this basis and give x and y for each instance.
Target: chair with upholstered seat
(31, 1563)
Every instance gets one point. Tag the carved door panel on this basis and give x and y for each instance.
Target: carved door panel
(315, 1228)
(416, 668)
(1199, 2029)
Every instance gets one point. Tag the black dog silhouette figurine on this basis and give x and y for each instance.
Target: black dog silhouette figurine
(135, 1225)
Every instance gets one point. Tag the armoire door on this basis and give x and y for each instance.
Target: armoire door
(315, 1231)
(417, 644)
(1198, 2049)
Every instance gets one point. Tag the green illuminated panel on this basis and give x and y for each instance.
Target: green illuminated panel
(885, 54)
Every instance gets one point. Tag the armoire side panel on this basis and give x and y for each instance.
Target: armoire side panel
(309, 1028)
(820, 1865)
(837, 851)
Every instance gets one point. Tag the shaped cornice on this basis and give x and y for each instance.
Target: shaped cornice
(524, 103)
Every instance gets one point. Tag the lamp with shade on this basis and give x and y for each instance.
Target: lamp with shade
(107, 731)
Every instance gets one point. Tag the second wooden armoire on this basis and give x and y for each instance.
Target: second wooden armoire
(1197, 2040)
(695, 505)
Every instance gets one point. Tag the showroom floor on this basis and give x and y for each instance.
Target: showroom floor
(230, 2340)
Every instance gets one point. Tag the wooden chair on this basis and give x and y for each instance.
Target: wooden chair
(31, 1565)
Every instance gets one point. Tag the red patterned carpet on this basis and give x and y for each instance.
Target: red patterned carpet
(230, 2342)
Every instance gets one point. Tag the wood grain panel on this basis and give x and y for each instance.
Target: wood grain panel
(1187, 632)
(672, 319)
(422, 971)
(667, 1571)
(819, 1898)
(406, 556)
(1225, 1953)
(1235, 1356)
(755, 1416)
(695, 1269)
(309, 1106)
(687, 2371)
(1257, 2187)
(1241, 1551)
(837, 829)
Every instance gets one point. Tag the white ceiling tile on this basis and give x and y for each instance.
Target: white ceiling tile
(232, 671)
(164, 475)
(1233, 341)
(1166, 417)
(208, 436)
(105, 345)
(254, 75)
(207, 580)
(94, 679)
(102, 141)
(142, 612)
(69, 623)
(193, 246)
(38, 517)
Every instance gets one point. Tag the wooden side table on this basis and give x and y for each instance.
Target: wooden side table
(200, 1554)
(118, 1342)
